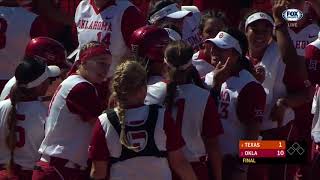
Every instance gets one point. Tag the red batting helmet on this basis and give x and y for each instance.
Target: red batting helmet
(49, 50)
(149, 42)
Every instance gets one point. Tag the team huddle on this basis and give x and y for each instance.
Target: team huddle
(165, 99)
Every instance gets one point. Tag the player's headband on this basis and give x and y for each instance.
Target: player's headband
(50, 71)
(171, 11)
(258, 16)
(182, 67)
(92, 52)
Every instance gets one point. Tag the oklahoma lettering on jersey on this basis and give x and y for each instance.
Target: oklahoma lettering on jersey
(303, 37)
(15, 26)
(103, 26)
(31, 117)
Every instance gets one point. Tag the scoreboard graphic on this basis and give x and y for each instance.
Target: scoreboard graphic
(272, 151)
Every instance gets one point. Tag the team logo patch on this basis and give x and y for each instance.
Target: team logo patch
(221, 35)
(138, 139)
(292, 15)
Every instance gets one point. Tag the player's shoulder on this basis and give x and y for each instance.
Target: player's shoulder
(312, 50)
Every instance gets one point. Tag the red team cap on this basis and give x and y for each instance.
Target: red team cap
(149, 42)
(49, 50)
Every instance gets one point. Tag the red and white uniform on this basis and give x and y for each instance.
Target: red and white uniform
(68, 129)
(202, 63)
(156, 90)
(15, 35)
(105, 144)
(312, 57)
(275, 84)
(196, 111)
(31, 117)
(242, 100)
(112, 24)
(301, 37)
(315, 132)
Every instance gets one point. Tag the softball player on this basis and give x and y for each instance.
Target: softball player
(17, 27)
(137, 141)
(148, 44)
(242, 99)
(193, 109)
(285, 78)
(73, 110)
(52, 53)
(109, 21)
(22, 119)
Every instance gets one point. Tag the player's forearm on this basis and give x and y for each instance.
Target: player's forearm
(215, 158)
(288, 52)
(99, 170)
(181, 166)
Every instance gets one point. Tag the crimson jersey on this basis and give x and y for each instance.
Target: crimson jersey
(31, 117)
(106, 144)
(17, 27)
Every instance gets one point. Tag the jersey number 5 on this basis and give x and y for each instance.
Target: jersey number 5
(3, 30)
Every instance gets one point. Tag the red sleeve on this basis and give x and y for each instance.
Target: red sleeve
(312, 57)
(251, 103)
(98, 149)
(132, 19)
(211, 125)
(173, 132)
(83, 100)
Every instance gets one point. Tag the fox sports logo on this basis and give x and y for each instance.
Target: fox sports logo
(292, 15)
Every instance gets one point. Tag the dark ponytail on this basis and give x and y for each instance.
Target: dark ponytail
(17, 93)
